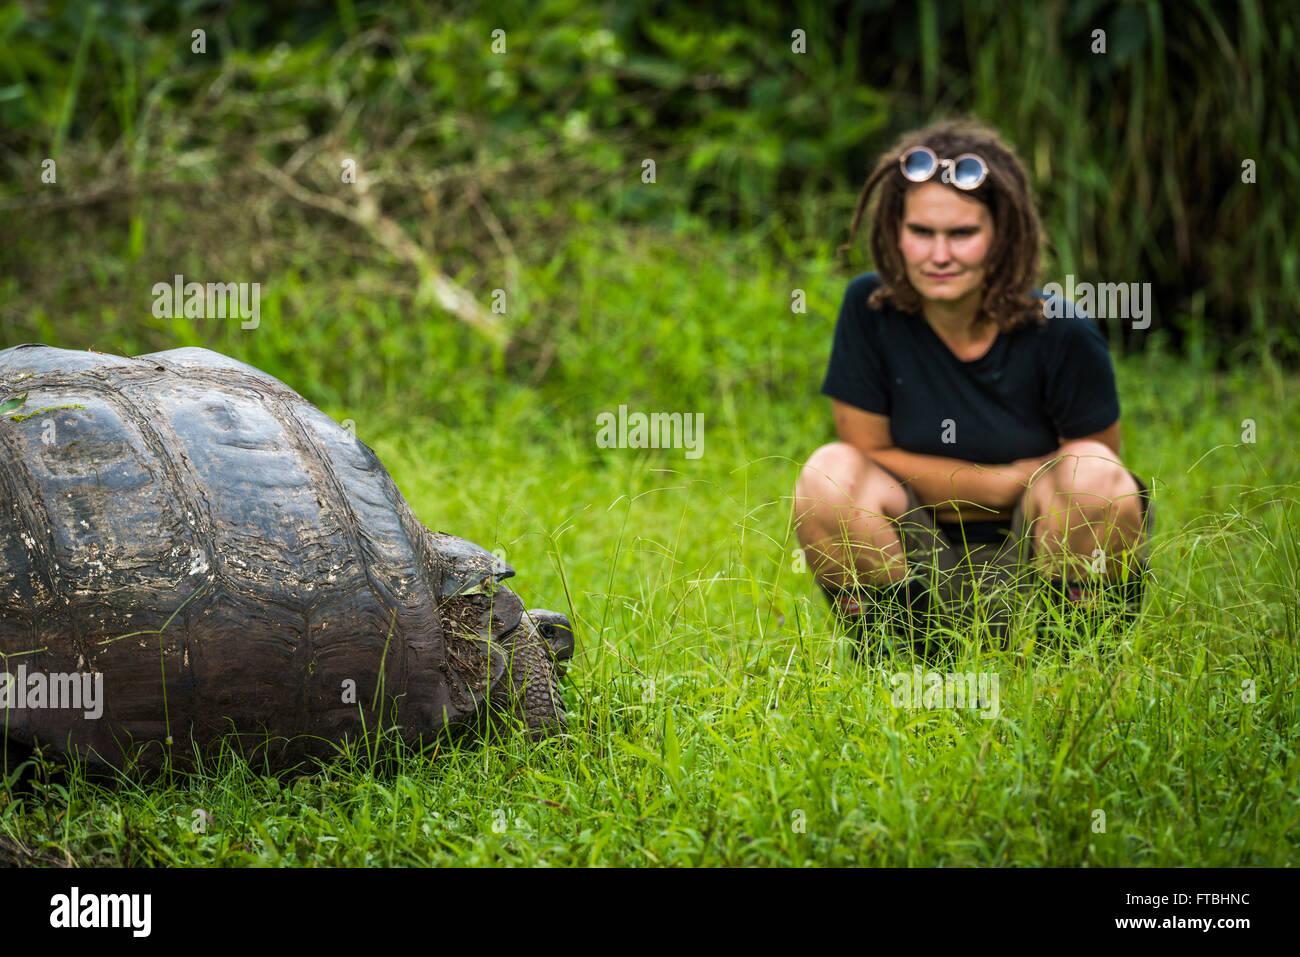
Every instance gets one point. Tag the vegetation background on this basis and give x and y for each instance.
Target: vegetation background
(715, 715)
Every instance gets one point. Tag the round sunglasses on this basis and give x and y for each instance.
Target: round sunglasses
(966, 171)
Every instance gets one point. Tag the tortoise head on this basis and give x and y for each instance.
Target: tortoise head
(537, 652)
(529, 648)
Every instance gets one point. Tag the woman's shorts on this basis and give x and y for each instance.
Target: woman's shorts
(987, 567)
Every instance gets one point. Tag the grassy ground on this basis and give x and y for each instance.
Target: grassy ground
(716, 717)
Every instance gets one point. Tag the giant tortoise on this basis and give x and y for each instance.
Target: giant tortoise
(191, 550)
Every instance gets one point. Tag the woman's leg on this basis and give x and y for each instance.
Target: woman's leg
(844, 509)
(1085, 516)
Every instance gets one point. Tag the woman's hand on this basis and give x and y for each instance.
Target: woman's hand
(1023, 470)
(997, 487)
(956, 488)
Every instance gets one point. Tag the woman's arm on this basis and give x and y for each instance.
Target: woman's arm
(934, 479)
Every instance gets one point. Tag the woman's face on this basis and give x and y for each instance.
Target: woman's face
(944, 238)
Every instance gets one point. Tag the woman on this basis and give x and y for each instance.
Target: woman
(962, 409)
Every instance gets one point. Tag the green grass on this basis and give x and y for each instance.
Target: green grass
(716, 717)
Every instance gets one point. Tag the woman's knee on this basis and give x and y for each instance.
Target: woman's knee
(838, 476)
(1086, 476)
(832, 470)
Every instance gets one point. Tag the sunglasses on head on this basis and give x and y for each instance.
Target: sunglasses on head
(966, 171)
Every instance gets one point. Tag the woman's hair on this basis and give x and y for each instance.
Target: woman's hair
(1012, 263)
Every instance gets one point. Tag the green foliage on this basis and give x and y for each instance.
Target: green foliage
(1136, 154)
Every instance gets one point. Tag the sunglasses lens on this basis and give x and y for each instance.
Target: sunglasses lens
(968, 172)
(918, 165)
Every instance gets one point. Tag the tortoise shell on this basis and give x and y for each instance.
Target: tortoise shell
(220, 556)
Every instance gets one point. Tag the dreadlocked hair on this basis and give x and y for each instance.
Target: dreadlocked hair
(1013, 261)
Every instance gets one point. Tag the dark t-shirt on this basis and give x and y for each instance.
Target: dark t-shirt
(1035, 385)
